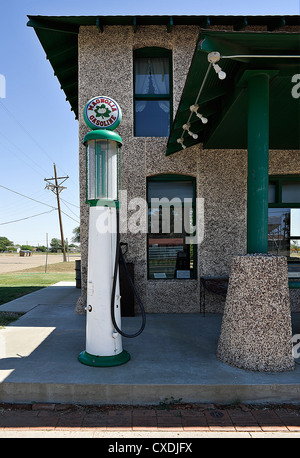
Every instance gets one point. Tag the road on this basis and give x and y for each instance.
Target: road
(12, 262)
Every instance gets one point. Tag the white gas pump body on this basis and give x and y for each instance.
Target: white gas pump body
(101, 337)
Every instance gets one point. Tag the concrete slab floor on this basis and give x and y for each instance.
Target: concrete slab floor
(175, 357)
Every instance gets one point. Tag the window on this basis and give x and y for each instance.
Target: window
(171, 223)
(284, 220)
(152, 92)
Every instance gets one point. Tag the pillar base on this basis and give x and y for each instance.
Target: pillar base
(103, 361)
(256, 331)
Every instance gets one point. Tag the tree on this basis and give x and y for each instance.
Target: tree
(27, 247)
(4, 242)
(76, 233)
(55, 245)
(42, 248)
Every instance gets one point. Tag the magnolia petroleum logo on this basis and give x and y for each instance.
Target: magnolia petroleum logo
(102, 113)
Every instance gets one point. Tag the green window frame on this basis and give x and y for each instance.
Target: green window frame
(179, 262)
(284, 220)
(152, 52)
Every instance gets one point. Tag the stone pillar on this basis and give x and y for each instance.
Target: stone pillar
(256, 329)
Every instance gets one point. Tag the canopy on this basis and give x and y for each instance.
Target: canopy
(224, 101)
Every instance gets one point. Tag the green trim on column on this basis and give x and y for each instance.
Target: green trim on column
(258, 162)
(104, 361)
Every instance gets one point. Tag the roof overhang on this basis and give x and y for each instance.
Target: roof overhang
(59, 36)
(224, 101)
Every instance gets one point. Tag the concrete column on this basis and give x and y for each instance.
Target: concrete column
(256, 331)
(258, 163)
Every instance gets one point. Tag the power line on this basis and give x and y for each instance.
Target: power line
(25, 130)
(64, 200)
(70, 217)
(16, 206)
(29, 135)
(23, 152)
(23, 195)
(35, 200)
(28, 217)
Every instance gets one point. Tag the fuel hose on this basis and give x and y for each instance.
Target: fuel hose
(119, 254)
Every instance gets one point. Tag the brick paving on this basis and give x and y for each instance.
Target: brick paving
(191, 417)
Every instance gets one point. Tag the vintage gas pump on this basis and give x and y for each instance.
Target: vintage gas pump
(103, 313)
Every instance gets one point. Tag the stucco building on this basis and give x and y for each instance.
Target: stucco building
(156, 68)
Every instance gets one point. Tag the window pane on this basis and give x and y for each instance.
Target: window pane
(169, 254)
(152, 118)
(279, 231)
(170, 190)
(290, 192)
(284, 236)
(170, 258)
(295, 249)
(272, 193)
(295, 222)
(170, 220)
(294, 269)
(152, 75)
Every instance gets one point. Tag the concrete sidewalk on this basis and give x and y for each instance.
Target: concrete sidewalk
(63, 292)
(174, 358)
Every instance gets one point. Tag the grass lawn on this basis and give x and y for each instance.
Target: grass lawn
(20, 283)
(8, 317)
(17, 284)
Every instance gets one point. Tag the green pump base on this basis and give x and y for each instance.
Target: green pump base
(104, 361)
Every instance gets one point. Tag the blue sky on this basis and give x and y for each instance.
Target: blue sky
(37, 126)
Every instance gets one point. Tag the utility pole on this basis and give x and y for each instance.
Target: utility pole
(46, 252)
(56, 188)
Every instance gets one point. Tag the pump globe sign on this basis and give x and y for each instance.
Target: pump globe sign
(102, 113)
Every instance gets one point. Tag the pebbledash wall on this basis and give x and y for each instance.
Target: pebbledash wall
(106, 67)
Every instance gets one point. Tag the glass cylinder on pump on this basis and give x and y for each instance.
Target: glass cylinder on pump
(102, 166)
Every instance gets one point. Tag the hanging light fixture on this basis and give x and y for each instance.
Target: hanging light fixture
(194, 109)
(213, 58)
(187, 128)
(180, 140)
(219, 71)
